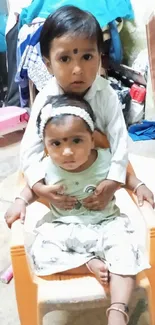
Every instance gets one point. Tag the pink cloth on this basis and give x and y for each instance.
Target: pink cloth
(11, 116)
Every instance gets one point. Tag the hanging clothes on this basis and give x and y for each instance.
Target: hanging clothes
(104, 10)
(29, 61)
(12, 97)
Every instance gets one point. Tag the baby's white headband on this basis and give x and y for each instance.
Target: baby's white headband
(48, 112)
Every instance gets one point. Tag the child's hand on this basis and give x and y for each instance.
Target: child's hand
(17, 210)
(102, 195)
(54, 193)
(144, 194)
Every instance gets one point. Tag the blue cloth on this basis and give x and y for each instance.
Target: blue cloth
(3, 20)
(116, 52)
(104, 10)
(143, 131)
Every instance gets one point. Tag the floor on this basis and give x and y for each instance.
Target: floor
(9, 162)
(9, 165)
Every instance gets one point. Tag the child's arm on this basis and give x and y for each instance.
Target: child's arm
(116, 132)
(32, 148)
(118, 138)
(31, 153)
(17, 210)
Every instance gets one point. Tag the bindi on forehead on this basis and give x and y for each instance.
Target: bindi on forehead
(75, 51)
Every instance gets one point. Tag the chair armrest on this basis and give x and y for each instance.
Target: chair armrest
(148, 214)
(17, 236)
(146, 211)
(24, 279)
(149, 218)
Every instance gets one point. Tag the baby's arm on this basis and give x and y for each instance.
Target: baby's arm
(140, 189)
(17, 210)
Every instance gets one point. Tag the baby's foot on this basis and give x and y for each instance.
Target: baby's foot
(100, 270)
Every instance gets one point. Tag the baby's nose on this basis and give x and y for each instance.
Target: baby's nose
(77, 69)
(67, 152)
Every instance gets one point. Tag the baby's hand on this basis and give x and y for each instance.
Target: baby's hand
(144, 194)
(102, 195)
(54, 193)
(17, 210)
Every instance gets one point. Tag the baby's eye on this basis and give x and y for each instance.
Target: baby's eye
(77, 140)
(65, 58)
(55, 143)
(87, 57)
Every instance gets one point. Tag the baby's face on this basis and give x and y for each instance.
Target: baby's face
(74, 62)
(69, 143)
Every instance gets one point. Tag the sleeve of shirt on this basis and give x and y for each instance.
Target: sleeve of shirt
(32, 149)
(117, 135)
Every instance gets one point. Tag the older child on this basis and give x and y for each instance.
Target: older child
(71, 45)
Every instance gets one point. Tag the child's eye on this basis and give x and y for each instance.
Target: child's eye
(87, 57)
(55, 143)
(77, 140)
(65, 58)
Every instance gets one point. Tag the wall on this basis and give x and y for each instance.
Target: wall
(134, 40)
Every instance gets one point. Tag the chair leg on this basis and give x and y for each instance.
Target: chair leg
(26, 290)
(151, 302)
(151, 277)
(40, 315)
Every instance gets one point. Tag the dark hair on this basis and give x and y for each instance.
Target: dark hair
(70, 20)
(66, 100)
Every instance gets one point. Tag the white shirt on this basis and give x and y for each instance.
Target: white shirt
(109, 120)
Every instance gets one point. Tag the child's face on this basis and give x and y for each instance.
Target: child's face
(74, 62)
(69, 143)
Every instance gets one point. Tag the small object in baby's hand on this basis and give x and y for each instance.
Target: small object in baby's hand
(7, 276)
(78, 205)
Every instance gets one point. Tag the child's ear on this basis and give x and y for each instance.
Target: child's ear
(48, 64)
(93, 141)
(45, 152)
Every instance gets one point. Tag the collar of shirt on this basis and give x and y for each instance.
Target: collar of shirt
(98, 85)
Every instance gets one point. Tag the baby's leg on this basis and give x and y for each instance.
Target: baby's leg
(121, 288)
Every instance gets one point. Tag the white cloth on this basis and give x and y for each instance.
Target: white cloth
(59, 247)
(15, 8)
(109, 119)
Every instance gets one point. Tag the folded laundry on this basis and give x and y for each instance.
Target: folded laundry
(142, 131)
